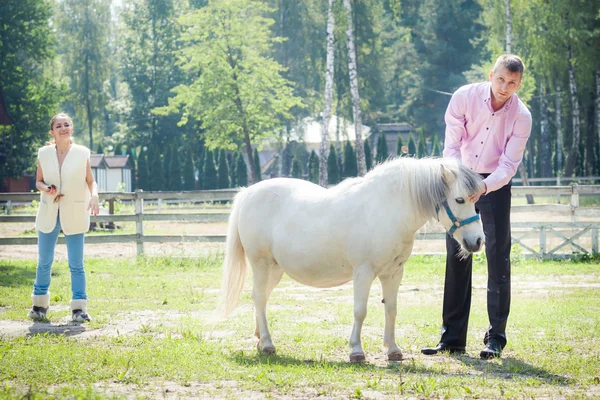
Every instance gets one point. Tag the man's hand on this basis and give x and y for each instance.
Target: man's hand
(474, 198)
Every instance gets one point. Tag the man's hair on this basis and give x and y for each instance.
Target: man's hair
(510, 62)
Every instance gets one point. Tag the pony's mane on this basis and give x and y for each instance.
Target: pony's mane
(423, 179)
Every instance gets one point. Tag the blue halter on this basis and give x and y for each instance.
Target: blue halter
(456, 223)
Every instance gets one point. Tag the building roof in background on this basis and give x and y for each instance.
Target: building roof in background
(97, 161)
(117, 161)
(400, 127)
(309, 130)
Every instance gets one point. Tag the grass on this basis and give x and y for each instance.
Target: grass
(154, 333)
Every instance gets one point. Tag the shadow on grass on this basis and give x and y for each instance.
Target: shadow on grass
(509, 367)
(47, 328)
(14, 275)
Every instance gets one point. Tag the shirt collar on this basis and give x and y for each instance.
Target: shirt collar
(486, 96)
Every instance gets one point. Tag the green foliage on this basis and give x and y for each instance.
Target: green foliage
(333, 172)
(189, 180)
(350, 164)
(368, 155)
(382, 149)
(134, 168)
(223, 171)
(313, 167)
(435, 148)
(210, 171)
(240, 95)
(83, 32)
(422, 149)
(399, 145)
(200, 165)
(175, 169)
(241, 171)
(156, 169)
(256, 159)
(412, 148)
(143, 170)
(297, 168)
(232, 169)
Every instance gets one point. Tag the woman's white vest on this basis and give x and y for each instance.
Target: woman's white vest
(69, 181)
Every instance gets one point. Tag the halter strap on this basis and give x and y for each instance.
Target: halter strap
(456, 223)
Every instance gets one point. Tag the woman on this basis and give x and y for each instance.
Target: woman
(68, 193)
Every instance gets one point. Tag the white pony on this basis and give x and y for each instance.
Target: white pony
(361, 229)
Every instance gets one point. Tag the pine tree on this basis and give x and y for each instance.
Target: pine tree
(223, 171)
(155, 169)
(257, 165)
(210, 172)
(422, 149)
(175, 175)
(131, 154)
(189, 181)
(350, 165)
(296, 168)
(313, 167)
(399, 145)
(200, 165)
(382, 149)
(368, 155)
(412, 147)
(232, 170)
(241, 171)
(435, 150)
(142, 168)
(333, 172)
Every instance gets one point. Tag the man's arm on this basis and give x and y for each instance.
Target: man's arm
(455, 126)
(512, 155)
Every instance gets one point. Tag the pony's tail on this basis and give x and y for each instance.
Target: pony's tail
(234, 268)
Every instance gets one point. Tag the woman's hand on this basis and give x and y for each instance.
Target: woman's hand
(94, 206)
(51, 190)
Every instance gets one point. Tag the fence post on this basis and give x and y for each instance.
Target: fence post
(542, 243)
(594, 241)
(139, 222)
(9, 207)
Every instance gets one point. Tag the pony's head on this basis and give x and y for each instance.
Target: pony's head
(456, 213)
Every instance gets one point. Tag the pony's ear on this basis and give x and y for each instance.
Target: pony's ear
(448, 175)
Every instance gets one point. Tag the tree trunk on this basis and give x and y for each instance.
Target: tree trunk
(546, 154)
(508, 27)
(353, 72)
(589, 140)
(559, 133)
(598, 117)
(574, 152)
(88, 101)
(328, 98)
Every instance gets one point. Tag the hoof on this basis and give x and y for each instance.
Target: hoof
(396, 356)
(266, 349)
(357, 357)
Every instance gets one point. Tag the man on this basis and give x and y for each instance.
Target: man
(487, 128)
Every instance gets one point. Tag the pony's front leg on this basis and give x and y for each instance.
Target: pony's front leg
(266, 277)
(363, 278)
(389, 286)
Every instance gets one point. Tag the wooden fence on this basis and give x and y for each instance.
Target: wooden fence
(570, 234)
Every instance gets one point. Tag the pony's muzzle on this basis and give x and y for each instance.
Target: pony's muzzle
(473, 246)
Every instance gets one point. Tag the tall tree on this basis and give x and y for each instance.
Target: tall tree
(209, 171)
(244, 98)
(332, 165)
(313, 168)
(30, 94)
(223, 171)
(328, 97)
(189, 180)
(82, 27)
(143, 177)
(368, 155)
(241, 171)
(353, 72)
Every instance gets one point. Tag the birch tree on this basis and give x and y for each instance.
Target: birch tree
(576, 134)
(353, 72)
(328, 97)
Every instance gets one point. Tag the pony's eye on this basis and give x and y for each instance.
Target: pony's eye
(460, 200)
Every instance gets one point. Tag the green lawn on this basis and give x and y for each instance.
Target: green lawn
(155, 334)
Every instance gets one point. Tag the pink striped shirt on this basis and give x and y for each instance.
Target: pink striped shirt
(487, 141)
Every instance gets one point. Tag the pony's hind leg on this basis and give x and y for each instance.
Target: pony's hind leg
(363, 278)
(266, 275)
(389, 286)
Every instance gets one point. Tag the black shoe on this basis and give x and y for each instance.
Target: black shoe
(492, 350)
(428, 351)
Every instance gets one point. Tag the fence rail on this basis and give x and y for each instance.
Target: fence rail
(569, 234)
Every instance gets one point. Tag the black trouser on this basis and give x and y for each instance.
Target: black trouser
(494, 209)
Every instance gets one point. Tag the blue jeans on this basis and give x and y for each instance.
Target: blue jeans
(46, 245)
